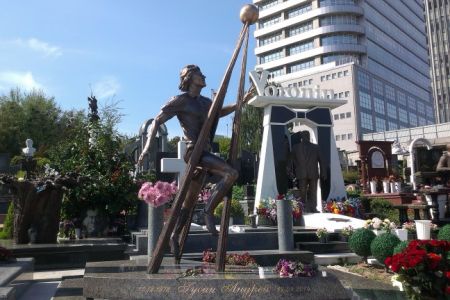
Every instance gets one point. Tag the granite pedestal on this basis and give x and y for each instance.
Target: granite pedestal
(129, 280)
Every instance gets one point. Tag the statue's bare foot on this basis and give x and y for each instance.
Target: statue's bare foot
(175, 246)
(210, 224)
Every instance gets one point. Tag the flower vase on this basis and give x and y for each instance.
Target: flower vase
(373, 187)
(386, 187)
(285, 225)
(442, 201)
(392, 187)
(78, 233)
(378, 232)
(402, 234)
(323, 239)
(423, 228)
(155, 225)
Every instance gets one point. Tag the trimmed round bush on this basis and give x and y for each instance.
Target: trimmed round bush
(383, 246)
(444, 233)
(359, 242)
(400, 247)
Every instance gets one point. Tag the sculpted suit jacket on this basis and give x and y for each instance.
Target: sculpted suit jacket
(306, 156)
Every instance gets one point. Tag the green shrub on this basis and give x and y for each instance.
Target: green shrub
(383, 246)
(444, 233)
(353, 194)
(236, 209)
(359, 242)
(400, 247)
(238, 192)
(8, 225)
(382, 208)
(350, 177)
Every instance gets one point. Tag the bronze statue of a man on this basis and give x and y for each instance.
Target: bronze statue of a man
(444, 161)
(306, 157)
(191, 109)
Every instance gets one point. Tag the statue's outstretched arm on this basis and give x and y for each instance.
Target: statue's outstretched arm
(226, 110)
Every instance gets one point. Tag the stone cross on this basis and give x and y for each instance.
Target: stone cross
(175, 165)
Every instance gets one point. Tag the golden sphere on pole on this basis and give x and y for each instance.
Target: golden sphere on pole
(249, 14)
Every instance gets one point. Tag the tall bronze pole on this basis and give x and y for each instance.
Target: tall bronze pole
(194, 160)
(232, 159)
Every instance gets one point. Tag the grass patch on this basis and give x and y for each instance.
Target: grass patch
(371, 272)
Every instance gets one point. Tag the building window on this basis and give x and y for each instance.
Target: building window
(401, 98)
(348, 114)
(299, 10)
(271, 56)
(392, 125)
(347, 94)
(349, 136)
(379, 105)
(343, 137)
(392, 110)
(377, 87)
(422, 121)
(338, 19)
(300, 28)
(342, 115)
(411, 103)
(364, 100)
(336, 117)
(346, 73)
(341, 95)
(380, 124)
(270, 39)
(339, 74)
(338, 39)
(301, 66)
(402, 115)
(366, 121)
(420, 107)
(269, 22)
(338, 137)
(336, 2)
(275, 73)
(322, 78)
(269, 4)
(412, 119)
(301, 47)
(363, 79)
(390, 93)
(340, 58)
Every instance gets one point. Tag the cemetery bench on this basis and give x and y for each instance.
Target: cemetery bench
(403, 211)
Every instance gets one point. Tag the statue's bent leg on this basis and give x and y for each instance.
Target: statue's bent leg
(312, 195)
(217, 166)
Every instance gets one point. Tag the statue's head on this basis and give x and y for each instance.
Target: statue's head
(187, 75)
(305, 136)
(29, 143)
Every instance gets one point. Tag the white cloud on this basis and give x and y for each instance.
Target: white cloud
(23, 80)
(36, 45)
(43, 47)
(106, 87)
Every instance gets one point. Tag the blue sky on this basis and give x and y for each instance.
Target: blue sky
(127, 51)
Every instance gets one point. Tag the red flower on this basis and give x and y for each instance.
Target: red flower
(447, 274)
(447, 290)
(434, 260)
(280, 197)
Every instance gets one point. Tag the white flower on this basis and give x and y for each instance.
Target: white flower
(392, 225)
(376, 225)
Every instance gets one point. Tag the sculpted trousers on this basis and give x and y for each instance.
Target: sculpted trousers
(308, 193)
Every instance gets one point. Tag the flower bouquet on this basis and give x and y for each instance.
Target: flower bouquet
(350, 207)
(267, 208)
(347, 232)
(322, 234)
(289, 268)
(157, 194)
(377, 224)
(424, 269)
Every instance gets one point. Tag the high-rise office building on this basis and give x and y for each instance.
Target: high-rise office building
(372, 53)
(437, 16)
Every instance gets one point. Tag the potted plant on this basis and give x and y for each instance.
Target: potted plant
(346, 233)
(373, 185)
(322, 235)
(422, 269)
(236, 212)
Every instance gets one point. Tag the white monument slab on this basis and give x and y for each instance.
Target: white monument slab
(175, 165)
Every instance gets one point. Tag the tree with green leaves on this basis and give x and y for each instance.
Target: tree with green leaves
(30, 115)
(251, 129)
